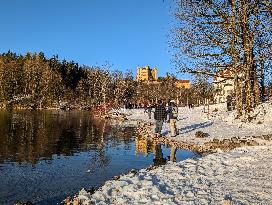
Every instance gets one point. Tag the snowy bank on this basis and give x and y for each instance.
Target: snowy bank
(218, 124)
(242, 176)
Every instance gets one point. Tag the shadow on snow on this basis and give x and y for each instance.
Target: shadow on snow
(193, 127)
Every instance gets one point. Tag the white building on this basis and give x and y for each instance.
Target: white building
(223, 86)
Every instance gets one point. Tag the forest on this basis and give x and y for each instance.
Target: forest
(35, 82)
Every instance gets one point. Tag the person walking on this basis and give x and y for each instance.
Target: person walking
(160, 115)
(149, 110)
(172, 111)
(229, 102)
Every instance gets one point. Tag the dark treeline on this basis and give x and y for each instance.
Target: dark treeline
(34, 81)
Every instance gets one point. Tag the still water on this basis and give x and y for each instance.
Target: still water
(47, 155)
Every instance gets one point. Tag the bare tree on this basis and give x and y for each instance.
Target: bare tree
(214, 35)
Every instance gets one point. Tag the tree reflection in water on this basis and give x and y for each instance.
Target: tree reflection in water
(61, 152)
(28, 136)
(47, 155)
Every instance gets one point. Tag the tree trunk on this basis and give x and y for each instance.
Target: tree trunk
(262, 81)
(238, 96)
(248, 65)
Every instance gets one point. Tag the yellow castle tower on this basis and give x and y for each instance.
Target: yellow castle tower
(154, 73)
(146, 74)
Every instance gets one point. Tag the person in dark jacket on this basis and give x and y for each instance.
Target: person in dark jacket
(160, 115)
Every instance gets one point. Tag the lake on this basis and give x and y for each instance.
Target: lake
(46, 156)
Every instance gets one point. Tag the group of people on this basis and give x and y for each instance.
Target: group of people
(131, 105)
(163, 114)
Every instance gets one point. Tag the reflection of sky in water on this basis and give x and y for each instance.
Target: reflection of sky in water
(54, 176)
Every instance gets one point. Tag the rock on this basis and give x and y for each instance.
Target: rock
(84, 197)
(116, 177)
(121, 119)
(252, 143)
(243, 142)
(200, 134)
(76, 201)
(267, 137)
(227, 202)
(207, 144)
(189, 194)
(234, 139)
(226, 141)
(91, 190)
(132, 171)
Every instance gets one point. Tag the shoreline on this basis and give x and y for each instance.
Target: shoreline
(49, 108)
(219, 178)
(212, 167)
(220, 156)
(226, 148)
(197, 142)
(224, 144)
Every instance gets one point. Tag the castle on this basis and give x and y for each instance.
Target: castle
(146, 74)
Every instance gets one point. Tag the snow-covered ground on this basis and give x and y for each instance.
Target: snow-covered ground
(219, 124)
(242, 176)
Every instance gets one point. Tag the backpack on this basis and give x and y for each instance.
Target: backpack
(175, 111)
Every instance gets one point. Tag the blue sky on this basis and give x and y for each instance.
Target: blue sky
(125, 33)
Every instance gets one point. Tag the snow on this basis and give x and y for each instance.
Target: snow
(242, 176)
(219, 124)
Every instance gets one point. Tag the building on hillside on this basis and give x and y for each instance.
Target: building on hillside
(223, 86)
(146, 74)
(182, 84)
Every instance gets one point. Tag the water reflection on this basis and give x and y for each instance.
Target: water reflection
(27, 136)
(144, 146)
(158, 156)
(173, 154)
(48, 155)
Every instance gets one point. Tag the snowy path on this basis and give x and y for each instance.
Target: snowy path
(242, 176)
(221, 126)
